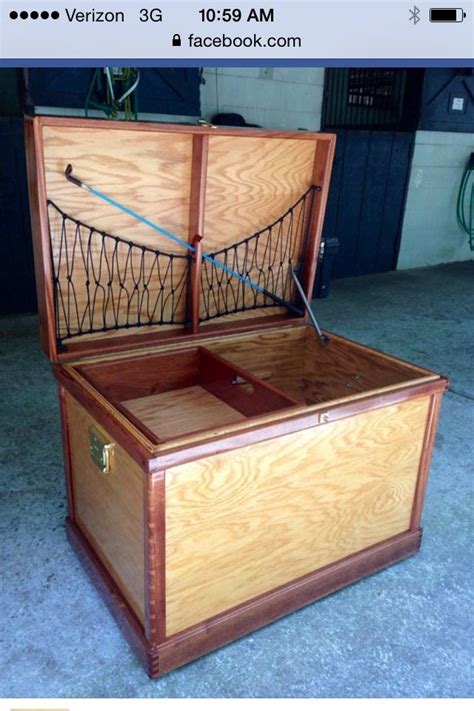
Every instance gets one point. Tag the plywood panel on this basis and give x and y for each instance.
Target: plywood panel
(276, 357)
(148, 172)
(109, 508)
(178, 412)
(340, 368)
(244, 522)
(252, 182)
(296, 361)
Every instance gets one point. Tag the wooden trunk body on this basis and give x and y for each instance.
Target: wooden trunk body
(248, 468)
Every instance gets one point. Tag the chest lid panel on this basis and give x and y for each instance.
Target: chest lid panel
(177, 230)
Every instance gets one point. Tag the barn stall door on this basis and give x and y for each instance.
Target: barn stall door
(375, 114)
(366, 199)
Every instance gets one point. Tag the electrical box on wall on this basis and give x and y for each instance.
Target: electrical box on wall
(457, 103)
(448, 100)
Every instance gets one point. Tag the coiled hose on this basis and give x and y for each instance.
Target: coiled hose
(465, 204)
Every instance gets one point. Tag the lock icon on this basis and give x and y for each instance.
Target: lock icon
(176, 40)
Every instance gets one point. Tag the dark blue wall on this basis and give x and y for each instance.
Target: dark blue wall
(17, 281)
(440, 86)
(161, 91)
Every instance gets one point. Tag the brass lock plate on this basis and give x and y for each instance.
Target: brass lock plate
(101, 450)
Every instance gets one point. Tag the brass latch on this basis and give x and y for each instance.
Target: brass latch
(100, 450)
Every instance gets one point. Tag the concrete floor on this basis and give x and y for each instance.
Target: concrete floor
(403, 632)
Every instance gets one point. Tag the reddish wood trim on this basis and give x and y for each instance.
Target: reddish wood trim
(216, 374)
(211, 371)
(195, 290)
(259, 433)
(322, 169)
(256, 613)
(109, 591)
(425, 461)
(105, 418)
(154, 439)
(201, 137)
(67, 452)
(155, 562)
(190, 366)
(198, 185)
(180, 128)
(196, 222)
(213, 633)
(119, 344)
(40, 233)
(176, 369)
(150, 458)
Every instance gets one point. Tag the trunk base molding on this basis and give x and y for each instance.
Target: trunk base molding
(245, 618)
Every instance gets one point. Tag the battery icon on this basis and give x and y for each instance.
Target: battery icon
(447, 14)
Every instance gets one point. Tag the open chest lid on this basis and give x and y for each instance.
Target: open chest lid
(162, 232)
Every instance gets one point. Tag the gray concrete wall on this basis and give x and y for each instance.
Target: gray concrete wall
(430, 233)
(285, 98)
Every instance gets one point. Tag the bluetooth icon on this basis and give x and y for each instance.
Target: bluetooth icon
(415, 15)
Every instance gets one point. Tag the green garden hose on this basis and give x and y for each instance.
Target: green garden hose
(465, 204)
(103, 89)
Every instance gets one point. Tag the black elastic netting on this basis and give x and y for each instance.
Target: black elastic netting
(126, 285)
(267, 258)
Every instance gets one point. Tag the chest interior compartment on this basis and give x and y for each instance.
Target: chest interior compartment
(210, 387)
(168, 395)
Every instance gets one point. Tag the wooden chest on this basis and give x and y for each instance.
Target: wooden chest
(224, 464)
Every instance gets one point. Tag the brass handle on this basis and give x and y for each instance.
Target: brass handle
(101, 451)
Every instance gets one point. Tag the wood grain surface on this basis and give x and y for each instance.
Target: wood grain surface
(244, 522)
(341, 368)
(322, 170)
(143, 375)
(182, 411)
(276, 356)
(109, 508)
(149, 173)
(248, 351)
(251, 183)
(295, 361)
(190, 392)
(40, 237)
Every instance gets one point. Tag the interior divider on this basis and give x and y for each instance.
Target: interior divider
(239, 388)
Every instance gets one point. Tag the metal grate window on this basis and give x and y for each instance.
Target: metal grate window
(377, 89)
(380, 99)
